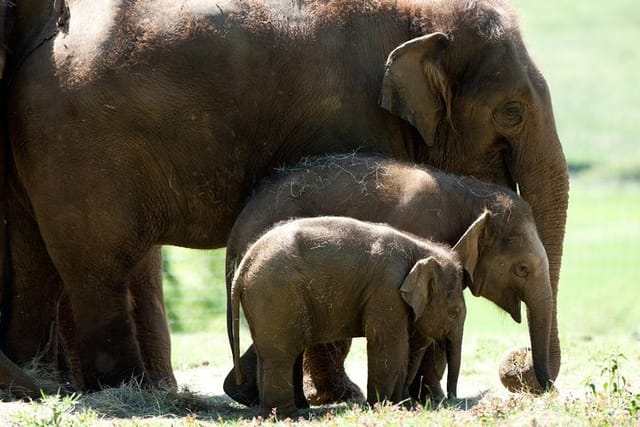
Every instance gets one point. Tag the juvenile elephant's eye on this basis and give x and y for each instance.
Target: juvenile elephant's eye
(521, 270)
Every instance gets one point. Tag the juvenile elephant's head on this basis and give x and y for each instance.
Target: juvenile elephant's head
(467, 84)
(505, 262)
(433, 290)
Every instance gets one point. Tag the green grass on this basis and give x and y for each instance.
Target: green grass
(588, 54)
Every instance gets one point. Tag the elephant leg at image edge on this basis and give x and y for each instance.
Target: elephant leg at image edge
(29, 321)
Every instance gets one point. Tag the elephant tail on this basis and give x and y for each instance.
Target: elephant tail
(230, 264)
(235, 334)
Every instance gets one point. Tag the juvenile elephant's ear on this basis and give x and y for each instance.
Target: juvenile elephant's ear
(468, 247)
(418, 287)
(414, 86)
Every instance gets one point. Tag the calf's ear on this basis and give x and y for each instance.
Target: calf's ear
(468, 248)
(418, 288)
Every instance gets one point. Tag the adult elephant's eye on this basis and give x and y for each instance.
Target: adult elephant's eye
(509, 117)
(521, 270)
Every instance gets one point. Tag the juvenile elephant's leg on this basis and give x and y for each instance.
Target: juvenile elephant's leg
(276, 387)
(388, 359)
(324, 364)
(426, 384)
(149, 314)
(246, 393)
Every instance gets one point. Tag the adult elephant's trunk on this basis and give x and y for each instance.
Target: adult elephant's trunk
(540, 169)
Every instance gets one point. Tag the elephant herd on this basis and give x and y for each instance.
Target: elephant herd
(132, 124)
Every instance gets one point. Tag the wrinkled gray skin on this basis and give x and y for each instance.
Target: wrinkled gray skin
(318, 280)
(511, 264)
(138, 123)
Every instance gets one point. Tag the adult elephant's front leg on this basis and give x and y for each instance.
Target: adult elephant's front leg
(105, 335)
(149, 314)
(96, 267)
(324, 365)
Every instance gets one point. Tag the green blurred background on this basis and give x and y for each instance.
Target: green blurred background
(589, 52)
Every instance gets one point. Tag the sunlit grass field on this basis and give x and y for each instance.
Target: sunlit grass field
(588, 52)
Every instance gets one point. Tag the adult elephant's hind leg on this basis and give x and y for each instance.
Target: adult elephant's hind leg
(324, 364)
(149, 314)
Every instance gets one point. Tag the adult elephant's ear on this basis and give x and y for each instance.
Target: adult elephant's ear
(468, 249)
(414, 86)
(418, 289)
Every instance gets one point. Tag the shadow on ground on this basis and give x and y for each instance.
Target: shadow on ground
(131, 401)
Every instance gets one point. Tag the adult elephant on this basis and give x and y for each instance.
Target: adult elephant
(134, 124)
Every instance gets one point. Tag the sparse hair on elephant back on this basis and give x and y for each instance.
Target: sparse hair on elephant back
(489, 19)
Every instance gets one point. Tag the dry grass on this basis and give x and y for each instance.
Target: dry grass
(598, 386)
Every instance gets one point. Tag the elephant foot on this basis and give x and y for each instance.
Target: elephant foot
(160, 379)
(110, 356)
(246, 393)
(517, 374)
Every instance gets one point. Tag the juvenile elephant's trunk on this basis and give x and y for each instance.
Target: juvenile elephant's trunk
(539, 314)
(454, 355)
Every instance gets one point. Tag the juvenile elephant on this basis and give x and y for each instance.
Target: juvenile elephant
(135, 123)
(511, 264)
(318, 280)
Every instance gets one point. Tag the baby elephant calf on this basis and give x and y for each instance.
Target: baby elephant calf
(318, 280)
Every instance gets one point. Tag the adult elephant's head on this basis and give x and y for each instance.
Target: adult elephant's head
(469, 87)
